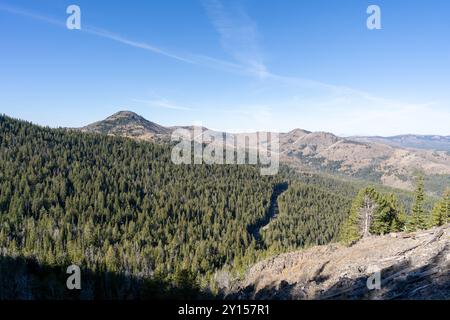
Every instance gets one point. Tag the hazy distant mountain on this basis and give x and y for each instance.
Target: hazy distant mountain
(372, 158)
(412, 141)
(393, 166)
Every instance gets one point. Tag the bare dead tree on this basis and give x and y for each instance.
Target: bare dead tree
(367, 212)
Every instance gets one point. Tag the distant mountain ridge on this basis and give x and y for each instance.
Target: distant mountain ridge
(431, 142)
(376, 159)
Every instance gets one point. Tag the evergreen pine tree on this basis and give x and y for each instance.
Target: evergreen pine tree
(372, 213)
(417, 220)
(351, 231)
(441, 211)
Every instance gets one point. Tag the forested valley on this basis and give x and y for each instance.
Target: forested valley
(142, 227)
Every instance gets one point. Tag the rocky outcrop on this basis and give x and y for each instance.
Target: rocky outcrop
(410, 266)
(127, 124)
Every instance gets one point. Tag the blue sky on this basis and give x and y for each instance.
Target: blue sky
(230, 65)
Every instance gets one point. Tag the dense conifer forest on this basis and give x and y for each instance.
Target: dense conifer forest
(309, 215)
(142, 227)
(116, 205)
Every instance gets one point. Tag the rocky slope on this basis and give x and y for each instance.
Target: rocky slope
(411, 266)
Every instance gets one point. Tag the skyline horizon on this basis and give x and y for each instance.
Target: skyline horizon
(198, 123)
(238, 65)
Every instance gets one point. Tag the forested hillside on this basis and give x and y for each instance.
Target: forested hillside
(309, 215)
(140, 226)
(318, 152)
(116, 205)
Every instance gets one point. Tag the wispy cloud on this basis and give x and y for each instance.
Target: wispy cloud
(163, 103)
(240, 38)
(29, 14)
(238, 34)
(137, 44)
(388, 121)
(96, 32)
(191, 58)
